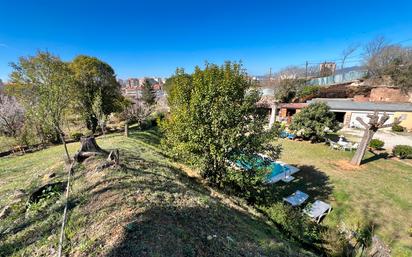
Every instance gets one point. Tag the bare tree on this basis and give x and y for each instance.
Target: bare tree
(375, 123)
(11, 115)
(379, 54)
(347, 52)
(135, 112)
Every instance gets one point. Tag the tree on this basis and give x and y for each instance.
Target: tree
(400, 72)
(94, 78)
(134, 112)
(148, 94)
(347, 52)
(314, 120)
(379, 55)
(288, 89)
(213, 116)
(97, 108)
(11, 115)
(375, 123)
(46, 81)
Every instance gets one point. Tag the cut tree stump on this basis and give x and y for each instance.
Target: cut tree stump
(89, 148)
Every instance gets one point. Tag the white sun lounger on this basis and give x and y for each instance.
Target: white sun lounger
(297, 198)
(317, 210)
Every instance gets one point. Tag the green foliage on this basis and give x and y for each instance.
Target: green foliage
(288, 89)
(94, 79)
(376, 144)
(148, 94)
(400, 72)
(76, 136)
(294, 222)
(313, 120)
(309, 91)
(213, 115)
(42, 84)
(170, 82)
(402, 151)
(397, 128)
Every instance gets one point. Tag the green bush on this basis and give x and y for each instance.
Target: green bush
(309, 91)
(376, 144)
(76, 136)
(313, 121)
(402, 151)
(397, 128)
(294, 222)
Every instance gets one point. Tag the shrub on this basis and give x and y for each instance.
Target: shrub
(76, 136)
(397, 128)
(309, 91)
(402, 151)
(376, 144)
(293, 222)
(313, 121)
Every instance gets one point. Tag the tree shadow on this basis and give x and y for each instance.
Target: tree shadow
(309, 180)
(212, 230)
(375, 157)
(151, 136)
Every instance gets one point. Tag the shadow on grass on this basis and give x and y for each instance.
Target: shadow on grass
(213, 230)
(309, 180)
(151, 136)
(375, 157)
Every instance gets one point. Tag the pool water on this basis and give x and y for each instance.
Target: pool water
(274, 168)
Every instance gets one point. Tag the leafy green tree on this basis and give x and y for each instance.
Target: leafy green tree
(93, 79)
(309, 91)
(401, 73)
(213, 117)
(45, 82)
(314, 120)
(97, 108)
(148, 93)
(288, 89)
(170, 82)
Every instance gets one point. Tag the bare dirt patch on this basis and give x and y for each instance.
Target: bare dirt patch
(345, 165)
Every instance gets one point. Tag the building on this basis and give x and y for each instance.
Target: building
(347, 111)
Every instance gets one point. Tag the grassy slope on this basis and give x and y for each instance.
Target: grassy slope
(149, 208)
(380, 191)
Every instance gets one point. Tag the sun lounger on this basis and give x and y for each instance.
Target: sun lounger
(297, 198)
(317, 210)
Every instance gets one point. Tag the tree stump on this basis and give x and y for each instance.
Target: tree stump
(89, 148)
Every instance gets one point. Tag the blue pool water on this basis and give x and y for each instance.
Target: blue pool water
(274, 168)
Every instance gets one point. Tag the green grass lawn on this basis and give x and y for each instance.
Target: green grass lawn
(149, 207)
(380, 191)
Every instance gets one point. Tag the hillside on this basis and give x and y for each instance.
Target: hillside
(149, 207)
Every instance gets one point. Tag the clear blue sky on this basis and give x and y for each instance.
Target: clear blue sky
(143, 38)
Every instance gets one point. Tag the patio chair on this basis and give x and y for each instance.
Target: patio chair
(354, 146)
(317, 210)
(334, 145)
(297, 198)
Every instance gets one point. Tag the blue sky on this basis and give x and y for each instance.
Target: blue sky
(147, 38)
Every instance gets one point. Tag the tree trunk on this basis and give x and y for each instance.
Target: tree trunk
(360, 152)
(89, 148)
(126, 129)
(65, 147)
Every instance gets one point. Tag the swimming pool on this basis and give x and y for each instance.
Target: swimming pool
(277, 170)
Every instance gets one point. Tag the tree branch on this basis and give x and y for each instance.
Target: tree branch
(362, 122)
